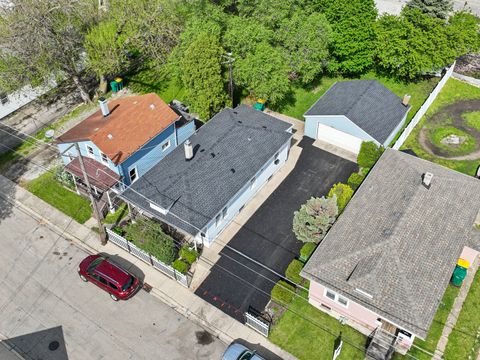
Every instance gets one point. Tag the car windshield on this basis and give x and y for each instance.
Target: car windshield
(94, 264)
(128, 284)
(247, 355)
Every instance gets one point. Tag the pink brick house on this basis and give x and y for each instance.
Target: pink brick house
(385, 264)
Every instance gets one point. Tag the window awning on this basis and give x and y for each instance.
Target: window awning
(99, 175)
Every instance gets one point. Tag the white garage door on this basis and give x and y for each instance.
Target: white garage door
(339, 138)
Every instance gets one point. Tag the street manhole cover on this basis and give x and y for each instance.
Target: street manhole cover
(54, 345)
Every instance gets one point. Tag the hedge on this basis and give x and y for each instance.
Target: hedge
(355, 180)
(293, 271)
(283, 292)
(307, 250)
(369, 154)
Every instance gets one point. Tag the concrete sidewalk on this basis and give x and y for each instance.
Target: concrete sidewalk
(169, 291)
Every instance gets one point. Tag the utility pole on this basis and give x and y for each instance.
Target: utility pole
(230, 61)
(103, 236)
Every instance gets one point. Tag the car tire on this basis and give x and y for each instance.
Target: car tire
(84, 279)
(114, 298)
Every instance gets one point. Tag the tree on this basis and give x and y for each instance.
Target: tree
(463, 33)
(434, 8)
(369, 154)
(202, 75)
(44, 39)
(268, 12)
(315, 217)
(343, 194)
(305, 39)
(264, 73)
(243, 34)
(353, 41)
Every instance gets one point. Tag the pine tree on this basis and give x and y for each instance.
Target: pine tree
(315, 217)
(435, 8)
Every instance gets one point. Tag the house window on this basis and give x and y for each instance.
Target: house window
(104, 158)
(276, 161)
(90, 151)
(218, 219)
(165, 145)
(3, 98)
(224, 212)
(336, 297)
(252, 182)
(133, 174)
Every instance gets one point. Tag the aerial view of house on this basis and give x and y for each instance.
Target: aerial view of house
(200, 188)
(123, 140)
(351, 112)
(388, 259)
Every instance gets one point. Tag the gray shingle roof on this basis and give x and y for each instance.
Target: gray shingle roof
(367, 103)
(242, 139)
(399, 241)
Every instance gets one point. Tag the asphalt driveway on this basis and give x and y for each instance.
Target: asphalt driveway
(237, 282)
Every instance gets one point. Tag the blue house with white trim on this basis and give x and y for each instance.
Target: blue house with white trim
(200, 187)
(124, 139)
(351, 112)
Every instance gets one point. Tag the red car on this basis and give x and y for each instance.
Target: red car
(119, 283)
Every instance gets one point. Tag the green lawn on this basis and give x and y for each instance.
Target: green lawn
(51, 191)
(151, 80)
(301, 99)
(435, 331)
(441, 132)
(472, 119)
(464, 340)
(117, 216)
(297, 333)
(453, 91)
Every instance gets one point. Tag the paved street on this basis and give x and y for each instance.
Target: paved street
(42, 300)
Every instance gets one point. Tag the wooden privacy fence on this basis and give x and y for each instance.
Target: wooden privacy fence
(418, 116)
(146, 257)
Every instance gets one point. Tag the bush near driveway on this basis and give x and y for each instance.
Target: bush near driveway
(181, 266)
(149, 236)
(187, 254)
(343, 194)
(293, 271)
(355, 180)
(302, 332)
(369, 154)
(283, 293)
(307, 250)
(54, 193)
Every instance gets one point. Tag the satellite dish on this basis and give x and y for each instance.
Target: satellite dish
(49, 133)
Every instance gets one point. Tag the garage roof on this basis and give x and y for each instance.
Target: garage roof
(367, 103)
(394, 248)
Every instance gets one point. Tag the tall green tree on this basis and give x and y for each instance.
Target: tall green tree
(242, 35)
(415, 43)
(305, 39)
(41, 39)
(202, 75)
(268, 12)
(264, 73)
(315, 217)
(436, 8)
(353, 40)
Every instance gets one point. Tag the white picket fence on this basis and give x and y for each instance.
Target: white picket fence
(146, 257)
(257, 324)
(418, 116)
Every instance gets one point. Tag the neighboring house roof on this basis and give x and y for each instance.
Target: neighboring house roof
(367, 103)
(99, 175)
(399, 241)
(133, 121)
(229, 150)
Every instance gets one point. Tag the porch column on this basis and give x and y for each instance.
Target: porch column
(111, 208)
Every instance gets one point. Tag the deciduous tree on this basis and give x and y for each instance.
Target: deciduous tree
(315, 217)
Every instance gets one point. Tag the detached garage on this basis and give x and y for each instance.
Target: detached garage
(351, 112)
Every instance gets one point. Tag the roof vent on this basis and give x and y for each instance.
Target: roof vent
(104, 106)
(427, 179)
(264, 127)
(152, 106)
(188, 150)
(110, 136)
(364, 293)
(232, 170)
(212, 155)
(406, 99)
(239, 121)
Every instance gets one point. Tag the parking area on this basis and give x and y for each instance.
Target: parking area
(246, 270)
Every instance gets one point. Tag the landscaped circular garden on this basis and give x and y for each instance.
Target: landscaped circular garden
(454, 130)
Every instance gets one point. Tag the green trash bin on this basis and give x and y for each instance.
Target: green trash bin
(114, 86)
(459, 274)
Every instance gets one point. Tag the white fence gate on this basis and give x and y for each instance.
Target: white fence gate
(257, 324)
(418, 116)
(120, 241)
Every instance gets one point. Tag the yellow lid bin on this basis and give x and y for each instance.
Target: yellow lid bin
(463, 263)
